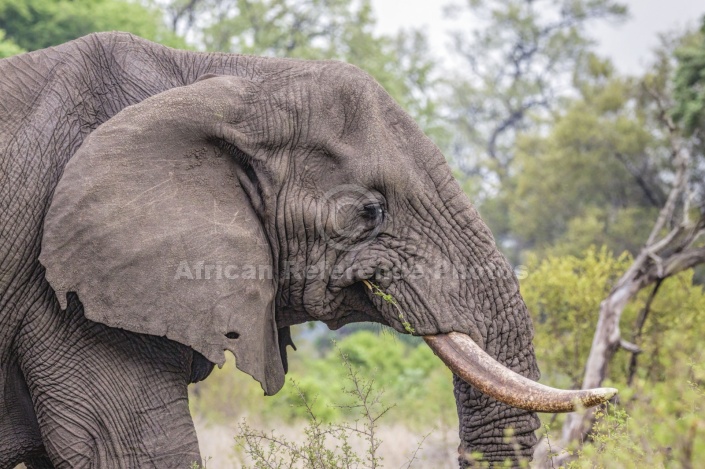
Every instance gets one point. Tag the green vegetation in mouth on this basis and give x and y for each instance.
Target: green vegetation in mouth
(390, 299)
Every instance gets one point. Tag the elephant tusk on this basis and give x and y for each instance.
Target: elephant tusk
(472, 364)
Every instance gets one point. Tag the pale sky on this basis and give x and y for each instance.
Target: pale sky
(628, 44)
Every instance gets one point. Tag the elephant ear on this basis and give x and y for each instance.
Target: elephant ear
(152, 225)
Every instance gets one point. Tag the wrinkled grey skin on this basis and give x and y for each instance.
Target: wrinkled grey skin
(96, 355)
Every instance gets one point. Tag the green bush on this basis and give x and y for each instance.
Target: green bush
(661, 415)
(410, 375)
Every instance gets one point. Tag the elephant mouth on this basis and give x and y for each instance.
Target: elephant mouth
(472, 364)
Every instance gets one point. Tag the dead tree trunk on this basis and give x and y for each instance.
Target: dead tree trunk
(661, 257)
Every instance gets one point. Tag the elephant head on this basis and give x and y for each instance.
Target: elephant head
(218, 214)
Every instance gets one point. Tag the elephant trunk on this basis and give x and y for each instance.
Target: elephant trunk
(491, 430)
(496, 392)
(473, 365)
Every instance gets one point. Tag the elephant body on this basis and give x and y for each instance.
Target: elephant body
(93, 373)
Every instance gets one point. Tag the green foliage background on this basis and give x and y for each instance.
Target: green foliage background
(36, 24)
(408, 373)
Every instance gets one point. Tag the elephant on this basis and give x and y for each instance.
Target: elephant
(161, 207)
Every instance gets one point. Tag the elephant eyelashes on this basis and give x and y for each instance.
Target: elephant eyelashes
(232, 335)
(374, 213)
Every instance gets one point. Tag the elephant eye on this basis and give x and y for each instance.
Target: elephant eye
(373, 212)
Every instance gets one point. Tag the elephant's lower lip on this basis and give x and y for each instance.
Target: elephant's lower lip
(467, 360)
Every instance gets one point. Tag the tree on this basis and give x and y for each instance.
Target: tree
(518, 64)
(518, 67)
(689, 99)
(689, 83)
(36, 24)
(7, 47)
(594, 176)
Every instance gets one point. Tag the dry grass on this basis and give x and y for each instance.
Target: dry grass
(398, 445)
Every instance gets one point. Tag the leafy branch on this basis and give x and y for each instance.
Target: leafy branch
(392, 301)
